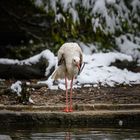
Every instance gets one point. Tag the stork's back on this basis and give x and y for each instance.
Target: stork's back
(66, 53)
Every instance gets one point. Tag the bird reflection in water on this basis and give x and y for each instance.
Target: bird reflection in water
(68, 136)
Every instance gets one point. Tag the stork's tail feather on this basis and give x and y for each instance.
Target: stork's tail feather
(58, 73)
(55, 75)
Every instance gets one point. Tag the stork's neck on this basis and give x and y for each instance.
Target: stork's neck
(72, 70)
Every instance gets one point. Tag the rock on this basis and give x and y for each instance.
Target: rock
(132, 66)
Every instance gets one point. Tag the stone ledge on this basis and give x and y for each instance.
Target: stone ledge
(77, 107)
(98, 115)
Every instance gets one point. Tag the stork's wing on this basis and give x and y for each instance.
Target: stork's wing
(61, 59)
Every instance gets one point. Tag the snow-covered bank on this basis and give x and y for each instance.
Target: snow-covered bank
(97, 71)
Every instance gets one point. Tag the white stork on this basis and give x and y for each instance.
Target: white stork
(70, 59)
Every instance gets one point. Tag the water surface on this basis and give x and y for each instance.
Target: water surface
(47, 133)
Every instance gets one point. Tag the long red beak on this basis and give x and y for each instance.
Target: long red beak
(78, 65)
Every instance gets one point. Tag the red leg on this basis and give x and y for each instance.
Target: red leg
(66, 85)
(71, 85)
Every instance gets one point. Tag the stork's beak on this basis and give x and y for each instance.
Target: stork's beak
(78, 65)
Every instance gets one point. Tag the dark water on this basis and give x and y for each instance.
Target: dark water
(47, 133)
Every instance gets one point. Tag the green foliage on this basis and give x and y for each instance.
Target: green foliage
(25, 51)
(87, 26)
(62, 31)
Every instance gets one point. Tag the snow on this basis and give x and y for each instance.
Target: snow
(53, 5)
(47, 54)
(99, 7)
(59, 17)
(9, 61)
(38, 3)
(107, 76)
(135, 7)
(105, 59)
(48, 82)
(86, 3)
(88, 48)
(65, 4)
(74, 15)
(98, 70)
(111, 2)
(96, 24)
(129, 45)
(16, 87)
(31, 101)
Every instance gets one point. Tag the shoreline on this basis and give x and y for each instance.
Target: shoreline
(93, 115)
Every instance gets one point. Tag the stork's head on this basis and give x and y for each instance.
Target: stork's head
(76, 62)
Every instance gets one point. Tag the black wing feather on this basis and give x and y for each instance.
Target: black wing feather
(61, 61)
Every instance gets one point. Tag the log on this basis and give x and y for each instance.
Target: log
(26, 69)
(12, 71)
(8, 71)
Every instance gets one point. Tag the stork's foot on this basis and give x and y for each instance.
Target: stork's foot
(70, 110)
(66, 109)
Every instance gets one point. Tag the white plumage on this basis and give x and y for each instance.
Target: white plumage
(70, 59)
(69, 56)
